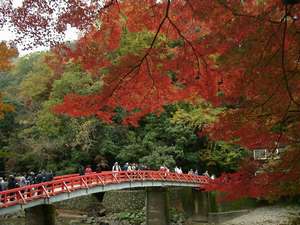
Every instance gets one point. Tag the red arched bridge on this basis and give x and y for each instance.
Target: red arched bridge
(67, 187)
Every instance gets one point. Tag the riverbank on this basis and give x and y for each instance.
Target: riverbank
(128, 208)
(269, 215)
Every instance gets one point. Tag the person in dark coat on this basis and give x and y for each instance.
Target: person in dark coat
(48, 176)
(31, 178)
(12, 183)
(38, 178)
(1, 184)
(81, 170)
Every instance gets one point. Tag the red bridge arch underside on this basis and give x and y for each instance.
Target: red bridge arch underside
(67, 187)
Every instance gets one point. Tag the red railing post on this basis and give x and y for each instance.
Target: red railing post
(85, 184)
(129, 178)
(22, 197)
(115, 174)
(5, 199)
(66, 186)
(100, 179)
(46, 192)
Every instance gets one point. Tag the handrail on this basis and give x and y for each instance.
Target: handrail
(65, 176)
(29, 193)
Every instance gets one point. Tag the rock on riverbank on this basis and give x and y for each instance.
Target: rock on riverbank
(269, 215)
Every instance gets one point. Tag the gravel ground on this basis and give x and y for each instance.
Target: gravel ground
(271, 215)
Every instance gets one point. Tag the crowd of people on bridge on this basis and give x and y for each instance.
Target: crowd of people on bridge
(136, 166)
(129, 167)
(13, 181)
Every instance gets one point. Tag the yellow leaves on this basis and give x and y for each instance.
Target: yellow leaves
(196, 116)
(6, 53)
(4, 108)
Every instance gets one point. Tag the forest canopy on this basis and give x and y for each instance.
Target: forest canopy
(241, 56)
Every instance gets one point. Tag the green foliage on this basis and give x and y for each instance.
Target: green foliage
(22, 67)
(74, 80)
(160, 142)
(36, 85)
(176, 216)
(42, 139)
(74, 137)
(47, 123)
(135, 43)
(197, 115)
(176, 43)
(216, 156)
(5, 80)
(162, 155)
(134, 217)
(6, 154)
(243, 203)
(222, 157)
(25, 64)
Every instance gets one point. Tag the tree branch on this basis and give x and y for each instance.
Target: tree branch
(285, 78)
(140, 62)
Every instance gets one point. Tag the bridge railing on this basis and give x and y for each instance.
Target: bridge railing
(65, 176)
(30, 193)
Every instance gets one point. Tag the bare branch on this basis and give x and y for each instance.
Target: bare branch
(285, 77)
(140, 62)
(196, 53)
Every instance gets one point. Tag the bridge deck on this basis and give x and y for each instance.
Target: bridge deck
(75, 186)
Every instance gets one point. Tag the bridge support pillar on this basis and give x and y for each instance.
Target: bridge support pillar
(99, 196)
(40, 215)
(201, 203)
(157, 210)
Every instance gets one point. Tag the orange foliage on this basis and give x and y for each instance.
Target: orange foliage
(6, 53)
(240, 54)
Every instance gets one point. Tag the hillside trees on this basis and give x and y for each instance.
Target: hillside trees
(217, 156)
(243, 55)
(40, 133)
(6, 55)
(34, 138)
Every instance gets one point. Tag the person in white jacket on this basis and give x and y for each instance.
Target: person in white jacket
(116, 167)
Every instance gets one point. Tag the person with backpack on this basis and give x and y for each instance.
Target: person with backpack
(116, 167)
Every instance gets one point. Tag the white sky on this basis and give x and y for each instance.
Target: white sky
(6, 35)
